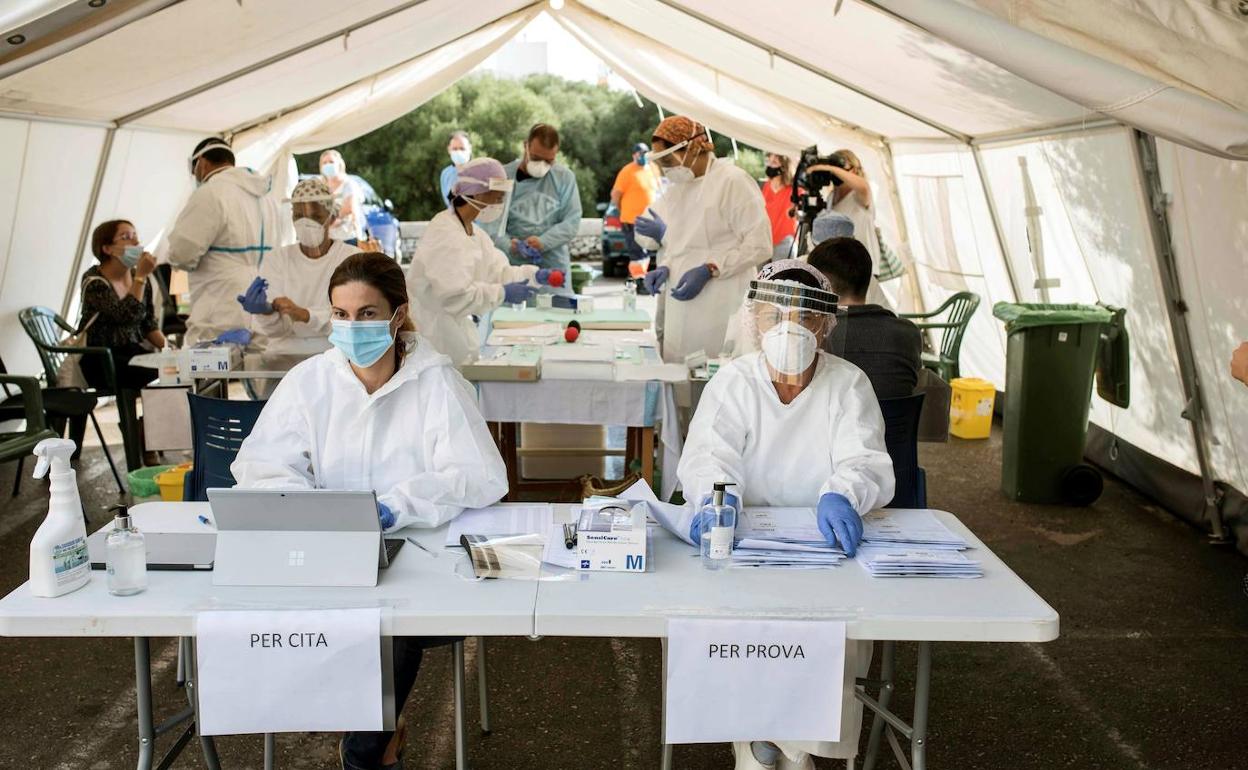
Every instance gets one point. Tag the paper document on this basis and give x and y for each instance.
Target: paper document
(904, 542)
(673, 518)
(917, 562)
(501, 519)
(909, 525)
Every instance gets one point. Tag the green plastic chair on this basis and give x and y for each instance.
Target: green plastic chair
(960, 307)
(18, 446)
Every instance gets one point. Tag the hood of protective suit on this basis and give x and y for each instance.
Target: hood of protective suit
(244, 178)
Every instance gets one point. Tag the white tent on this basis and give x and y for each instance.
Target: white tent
(1128, 116)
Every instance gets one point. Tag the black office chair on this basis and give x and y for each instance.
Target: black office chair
(901, 437)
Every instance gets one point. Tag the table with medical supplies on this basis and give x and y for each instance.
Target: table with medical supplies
(423, 594)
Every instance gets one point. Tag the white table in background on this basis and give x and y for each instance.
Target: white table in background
(420, 595)
(999, 607)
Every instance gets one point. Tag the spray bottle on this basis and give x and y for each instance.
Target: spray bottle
(58, 553)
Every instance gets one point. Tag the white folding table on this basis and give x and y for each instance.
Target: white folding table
(999, 607)
(420, 595)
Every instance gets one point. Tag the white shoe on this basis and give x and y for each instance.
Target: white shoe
(805, 763)
(745, 758)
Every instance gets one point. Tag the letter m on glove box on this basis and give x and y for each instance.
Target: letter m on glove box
(768, 679)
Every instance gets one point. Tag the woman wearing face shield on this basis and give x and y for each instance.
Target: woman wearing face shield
(383, 411)
(296, 320)
(457, 272)
(792, 426)
(711, 232)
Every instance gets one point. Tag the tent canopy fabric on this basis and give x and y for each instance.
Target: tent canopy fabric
(986, 127)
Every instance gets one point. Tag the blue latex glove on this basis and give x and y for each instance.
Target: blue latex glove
(518, 292)
(839, 522)
(235, 336)
(528, 252)
(691, 283)
(254, 300)
(651, 226)
(385, 515)
(695, 527)
(655, 279)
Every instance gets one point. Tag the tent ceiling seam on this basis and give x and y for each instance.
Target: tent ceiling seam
(816, 70)
(236, 130)
(266, 62)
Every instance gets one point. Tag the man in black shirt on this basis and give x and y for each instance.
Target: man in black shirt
(886, 348)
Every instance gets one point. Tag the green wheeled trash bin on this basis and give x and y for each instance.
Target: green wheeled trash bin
(1052, 355)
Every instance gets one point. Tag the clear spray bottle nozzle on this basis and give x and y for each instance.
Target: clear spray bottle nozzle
(54, 454)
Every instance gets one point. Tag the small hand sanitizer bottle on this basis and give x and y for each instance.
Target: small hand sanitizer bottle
(127, 556)
(719, 525)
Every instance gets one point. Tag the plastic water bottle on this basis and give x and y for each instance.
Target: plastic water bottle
(719, 525)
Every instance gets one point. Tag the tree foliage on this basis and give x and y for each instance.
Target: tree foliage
(598, 127)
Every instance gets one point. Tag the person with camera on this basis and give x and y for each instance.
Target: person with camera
(850, 194)
(711, 232)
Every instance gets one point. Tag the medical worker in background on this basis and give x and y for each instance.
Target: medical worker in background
(348, 224)
(220, 238)
(457, 272)
(635, 188)
(459, 147)
(793, 426)
(712, 235)
(289, 301)
(545, 210)
(381, 411)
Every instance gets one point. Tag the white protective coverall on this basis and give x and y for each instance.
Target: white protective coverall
(718, 217)
(828, 439)
(419, 441)
(304, 281)
(223, 233)
(454, 276)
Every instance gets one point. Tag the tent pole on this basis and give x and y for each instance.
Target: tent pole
(87, 219)
(996, 220)
(823, 73)
(1157, 204)
(903, 233)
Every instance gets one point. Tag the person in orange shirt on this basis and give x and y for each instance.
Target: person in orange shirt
(636, 187)
(778, 199)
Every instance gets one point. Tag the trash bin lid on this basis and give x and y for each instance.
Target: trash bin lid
(1020, 315)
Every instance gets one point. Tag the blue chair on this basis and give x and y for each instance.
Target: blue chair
(901, 437)
(218, 428)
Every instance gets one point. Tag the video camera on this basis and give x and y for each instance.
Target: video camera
(806, 184)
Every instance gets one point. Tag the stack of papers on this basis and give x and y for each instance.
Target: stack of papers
(913, 543)
(917, 562)
(782, 538)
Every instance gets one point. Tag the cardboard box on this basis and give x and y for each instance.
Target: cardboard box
(611, 537)
(216, 358)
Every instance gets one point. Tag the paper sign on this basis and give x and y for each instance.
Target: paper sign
(276, 672)
(748, 680)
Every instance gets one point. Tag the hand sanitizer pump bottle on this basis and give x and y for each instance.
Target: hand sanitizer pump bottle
(59, 562)
(127, 556)
(719, 524)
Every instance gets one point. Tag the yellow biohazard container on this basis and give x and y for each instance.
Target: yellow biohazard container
(970, 407)
(170, 482)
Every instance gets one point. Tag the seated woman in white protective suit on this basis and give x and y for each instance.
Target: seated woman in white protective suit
(793, 426)
(381, 410)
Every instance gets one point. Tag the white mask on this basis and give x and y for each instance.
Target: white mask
(789, 347)
(537, 168)
(679, 174)
(311, 234)
(486, 212)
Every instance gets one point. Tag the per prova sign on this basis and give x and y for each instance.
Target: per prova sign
(741, 680)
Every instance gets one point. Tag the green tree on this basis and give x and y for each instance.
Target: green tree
(403, 160)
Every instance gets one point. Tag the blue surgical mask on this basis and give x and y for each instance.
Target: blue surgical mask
(329, 169)
(641, 159)
(460, 157)
(130, 257)
(363, 342)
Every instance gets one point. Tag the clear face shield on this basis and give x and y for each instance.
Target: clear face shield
(789, 322)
